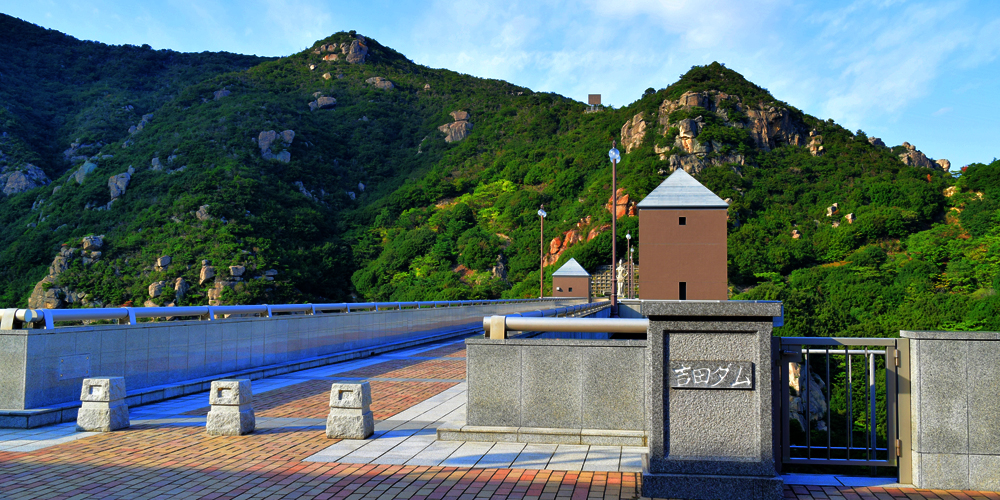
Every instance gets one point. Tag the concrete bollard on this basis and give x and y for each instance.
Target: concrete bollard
(104, 407)
(232, 408)
(350, 412)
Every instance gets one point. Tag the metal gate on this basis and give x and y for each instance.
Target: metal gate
(842, 401)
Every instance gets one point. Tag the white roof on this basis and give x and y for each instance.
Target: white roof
(680, 190)
(571, 268)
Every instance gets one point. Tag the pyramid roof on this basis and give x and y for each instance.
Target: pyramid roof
(680, 190)
(571, 268)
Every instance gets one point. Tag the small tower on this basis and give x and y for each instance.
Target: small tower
(682, 243)
(571, 280)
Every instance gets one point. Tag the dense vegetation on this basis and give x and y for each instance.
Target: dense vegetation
(438, 220)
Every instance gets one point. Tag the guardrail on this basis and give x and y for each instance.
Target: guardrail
(496, 327)
(25, 318)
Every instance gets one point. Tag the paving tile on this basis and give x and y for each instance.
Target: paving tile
(467, 455)
(568, 457)
(501, 455)
(603, 458)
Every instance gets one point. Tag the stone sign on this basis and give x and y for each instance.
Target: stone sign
(711, 374)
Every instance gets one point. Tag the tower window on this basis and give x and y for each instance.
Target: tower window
(682, 221)
(682, 290)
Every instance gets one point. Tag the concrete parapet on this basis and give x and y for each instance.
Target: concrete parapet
(104, 407)
(232, 408)
(350, 412)
(954, 407)
(706, 441)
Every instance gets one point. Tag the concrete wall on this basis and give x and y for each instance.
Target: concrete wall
(46, 367)
(556, 383)
(572, 286)
(694, 253)
(955, 409)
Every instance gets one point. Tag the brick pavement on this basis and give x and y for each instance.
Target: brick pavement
(152, 461)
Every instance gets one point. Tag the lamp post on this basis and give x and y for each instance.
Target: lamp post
(615, 158)
(628, 280)
(541, 251)
(631, 273)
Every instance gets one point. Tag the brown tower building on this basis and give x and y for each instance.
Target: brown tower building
(682, 242)
(571, 280)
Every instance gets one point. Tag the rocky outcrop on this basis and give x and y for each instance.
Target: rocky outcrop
(380, 83)
(560, 244)
(771, 127)
(798, 400)
(135, 129)
(357, 51)
(268, 138)
(323, 102)
(796, 234)
(20, 180)
(47, 293)
(623, 206)
(633, 132)
(875, 141)
(816, 144)
(79, 151)
(331, 57)
(457, 130)
(693, 164)
(850, 218)
(118, 183)
(155, 164)
(832, 210)
(219, 94)
(914, 158)
(944, 164)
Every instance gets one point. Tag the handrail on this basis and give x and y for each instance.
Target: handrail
(130, 315)
(549, 320)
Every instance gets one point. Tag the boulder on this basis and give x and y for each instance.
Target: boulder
(850, 218)
(331, 57)
(118, 183)
(832, 210)
(265, 139)
(323, 103)
(944, 164)
(91, 243)
(202, 213)
(287, 136)
(460, 115)
(283, 157)
(82, 172)
(796, 234)
(633, 132)
(207, 273)
(181, 288)
(875, 141)
(219, 94)
(380, 83)
(816, 145)
(361, 187)
(20, 181)
(237, 270)
(327, 76)
(155, 164)
(156, 289)
(45, 295)
(163, 262)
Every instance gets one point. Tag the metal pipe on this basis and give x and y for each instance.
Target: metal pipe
(597, 325)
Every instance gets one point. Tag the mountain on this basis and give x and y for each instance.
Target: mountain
(348, 172)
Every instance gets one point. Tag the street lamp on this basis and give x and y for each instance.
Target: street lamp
(615, 158)
(541, 251)
(631, 273)
(628, 238)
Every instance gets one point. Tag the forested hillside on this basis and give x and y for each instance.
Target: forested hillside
(348, 172)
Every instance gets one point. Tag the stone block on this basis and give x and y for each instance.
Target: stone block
(103, 389)
(984, 406)
(943, 471)
(552, 387)
(711, 487)
(351, 396)
(230, 420)
(349, 423)
(613, 395)
(103, 408)
(944, 412)
(231, 392)
(232, 408)
(984, 472)
(494, 379)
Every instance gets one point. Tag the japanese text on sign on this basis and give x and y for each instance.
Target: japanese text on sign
(711, 374)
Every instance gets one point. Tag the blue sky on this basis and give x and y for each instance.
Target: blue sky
(926, 72)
